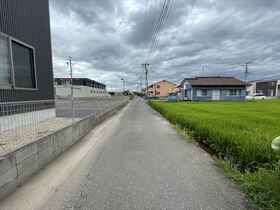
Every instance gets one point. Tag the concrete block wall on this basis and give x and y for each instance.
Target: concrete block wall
(17, 166)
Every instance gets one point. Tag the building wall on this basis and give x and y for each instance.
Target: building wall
(278, 89)
(80, 81)
(161, 89)
(79, 91)
(266, 87)
(191, 93)
(28, 21)
(251, 89)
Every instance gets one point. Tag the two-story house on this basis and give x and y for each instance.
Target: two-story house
(161, 88)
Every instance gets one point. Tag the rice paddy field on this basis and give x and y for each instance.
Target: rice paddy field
(240, 134)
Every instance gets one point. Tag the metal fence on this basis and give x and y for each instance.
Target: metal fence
(16, 117)
(25, 121)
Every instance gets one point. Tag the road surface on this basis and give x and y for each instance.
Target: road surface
(135, 160)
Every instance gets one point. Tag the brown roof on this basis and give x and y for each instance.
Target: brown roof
(215, 81)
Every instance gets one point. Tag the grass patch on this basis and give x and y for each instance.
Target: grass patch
(261, 187)
(130, 96)
(241, 134)
(183, 133)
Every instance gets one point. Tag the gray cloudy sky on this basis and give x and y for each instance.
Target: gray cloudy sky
(106, 39)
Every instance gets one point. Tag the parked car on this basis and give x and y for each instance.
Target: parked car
(256, 96)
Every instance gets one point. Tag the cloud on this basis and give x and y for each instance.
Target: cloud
(107, 39)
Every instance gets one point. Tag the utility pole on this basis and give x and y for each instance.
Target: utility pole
(69, 62)
(146, 76)
(123, 85)
(246, 71)
(141, 88)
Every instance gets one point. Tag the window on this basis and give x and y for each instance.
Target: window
(5, 64)
(158, 93)
(158, 86)
(233, 92)
(202, 92)
(271, 83)
(17, 64)
(23, 60)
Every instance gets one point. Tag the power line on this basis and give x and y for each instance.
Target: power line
(159, 28)
(145, 30)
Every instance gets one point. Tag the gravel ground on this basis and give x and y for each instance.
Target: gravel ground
(16, 138)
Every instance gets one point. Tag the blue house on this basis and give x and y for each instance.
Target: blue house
(213, 89)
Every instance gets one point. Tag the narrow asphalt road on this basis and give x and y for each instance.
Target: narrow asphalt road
(135, 160)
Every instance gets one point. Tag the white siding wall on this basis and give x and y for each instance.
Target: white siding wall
(79, 91)
(278, 89)
(251, 89)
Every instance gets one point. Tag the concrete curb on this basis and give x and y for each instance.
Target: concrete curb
(17, 166)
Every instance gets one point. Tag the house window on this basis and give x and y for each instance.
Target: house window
(158, 93)
(23, 60)
(271, 83)
(233, 92)
(158, 86)
(202, 92)
(5, 64)
(17, 63)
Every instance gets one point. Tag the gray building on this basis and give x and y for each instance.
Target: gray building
(26, 76)
(270, 87)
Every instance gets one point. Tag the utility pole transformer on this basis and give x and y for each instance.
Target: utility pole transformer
(146, 76)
